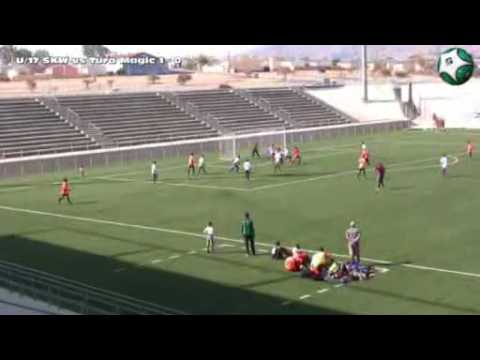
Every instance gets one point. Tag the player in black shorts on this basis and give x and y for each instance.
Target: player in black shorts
(380, 171)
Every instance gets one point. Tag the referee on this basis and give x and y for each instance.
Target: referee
(248, 234)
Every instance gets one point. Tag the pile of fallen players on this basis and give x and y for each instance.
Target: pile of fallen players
(321, 266)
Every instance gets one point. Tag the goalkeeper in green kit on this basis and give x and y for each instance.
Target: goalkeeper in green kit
(248, 234)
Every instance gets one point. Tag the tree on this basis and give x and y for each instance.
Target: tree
(335, 62)
(99, 51)
(203, 60)
(182, 79)
(23, 53)
(41, 53)
(7, 54)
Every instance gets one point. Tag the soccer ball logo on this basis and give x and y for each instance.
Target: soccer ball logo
(455, 66)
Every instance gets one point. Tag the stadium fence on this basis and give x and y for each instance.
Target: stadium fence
(72, 295)
(222, 145)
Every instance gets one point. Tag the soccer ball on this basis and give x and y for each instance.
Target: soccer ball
(455, 66)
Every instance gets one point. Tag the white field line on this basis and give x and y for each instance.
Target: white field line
(322, 291)
(396, 167)
(350, 172)
(212, 187)
(186, 233)
(303, 297)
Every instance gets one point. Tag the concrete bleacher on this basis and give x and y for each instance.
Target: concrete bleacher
(29, 128)
(139, 118)
(232, 111)
(304, 111)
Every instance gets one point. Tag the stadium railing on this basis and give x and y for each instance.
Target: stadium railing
(72, 295)
(123, 156)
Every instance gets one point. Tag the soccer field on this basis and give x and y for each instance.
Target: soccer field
(127, 235)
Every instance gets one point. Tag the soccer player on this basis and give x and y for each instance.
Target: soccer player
(380, 171)
(255, 151)
(81, 170)
(235, 164)
(201, 165)
(286, 155)
(362, 164)
(191, 164)
(209, 231)
(65, 192)
(277, 160)
(352, 235)
(247, 167)
(364, 154)
(154, 171)
(444, 164)
(470, 149)
(271, 151)
(248, 234)
(296, 156)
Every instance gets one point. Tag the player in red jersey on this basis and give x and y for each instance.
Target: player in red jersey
(296, 158)
(364, 154)
(380, 172)
(191, 164)
(470, 149)
(362, 164)
(65, 191)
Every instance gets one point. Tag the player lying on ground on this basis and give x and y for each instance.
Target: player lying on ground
(279, 252)
(65, 192)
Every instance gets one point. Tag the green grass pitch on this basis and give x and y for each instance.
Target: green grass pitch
(127, 235)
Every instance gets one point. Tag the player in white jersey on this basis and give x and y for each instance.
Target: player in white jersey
(201, 165)
(247, 167)
(277, 160)
(154, 171)
(444, 164)
(235, 164)
(209, 231)
(352, 235)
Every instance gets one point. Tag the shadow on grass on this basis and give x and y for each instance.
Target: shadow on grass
(179, 291)
(413, 299)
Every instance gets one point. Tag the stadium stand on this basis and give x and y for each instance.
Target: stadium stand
(28, 128)
(303, 109)
(232, 111)
(137, 118)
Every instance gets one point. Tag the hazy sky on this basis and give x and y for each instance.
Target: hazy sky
(158, 50)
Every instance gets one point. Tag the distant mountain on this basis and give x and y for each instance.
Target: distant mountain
(349, 52)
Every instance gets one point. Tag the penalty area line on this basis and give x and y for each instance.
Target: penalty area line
(198, 235)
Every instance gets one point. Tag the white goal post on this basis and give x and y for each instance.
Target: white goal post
(242, 142)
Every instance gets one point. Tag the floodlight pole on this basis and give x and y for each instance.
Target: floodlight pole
(365, 73)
